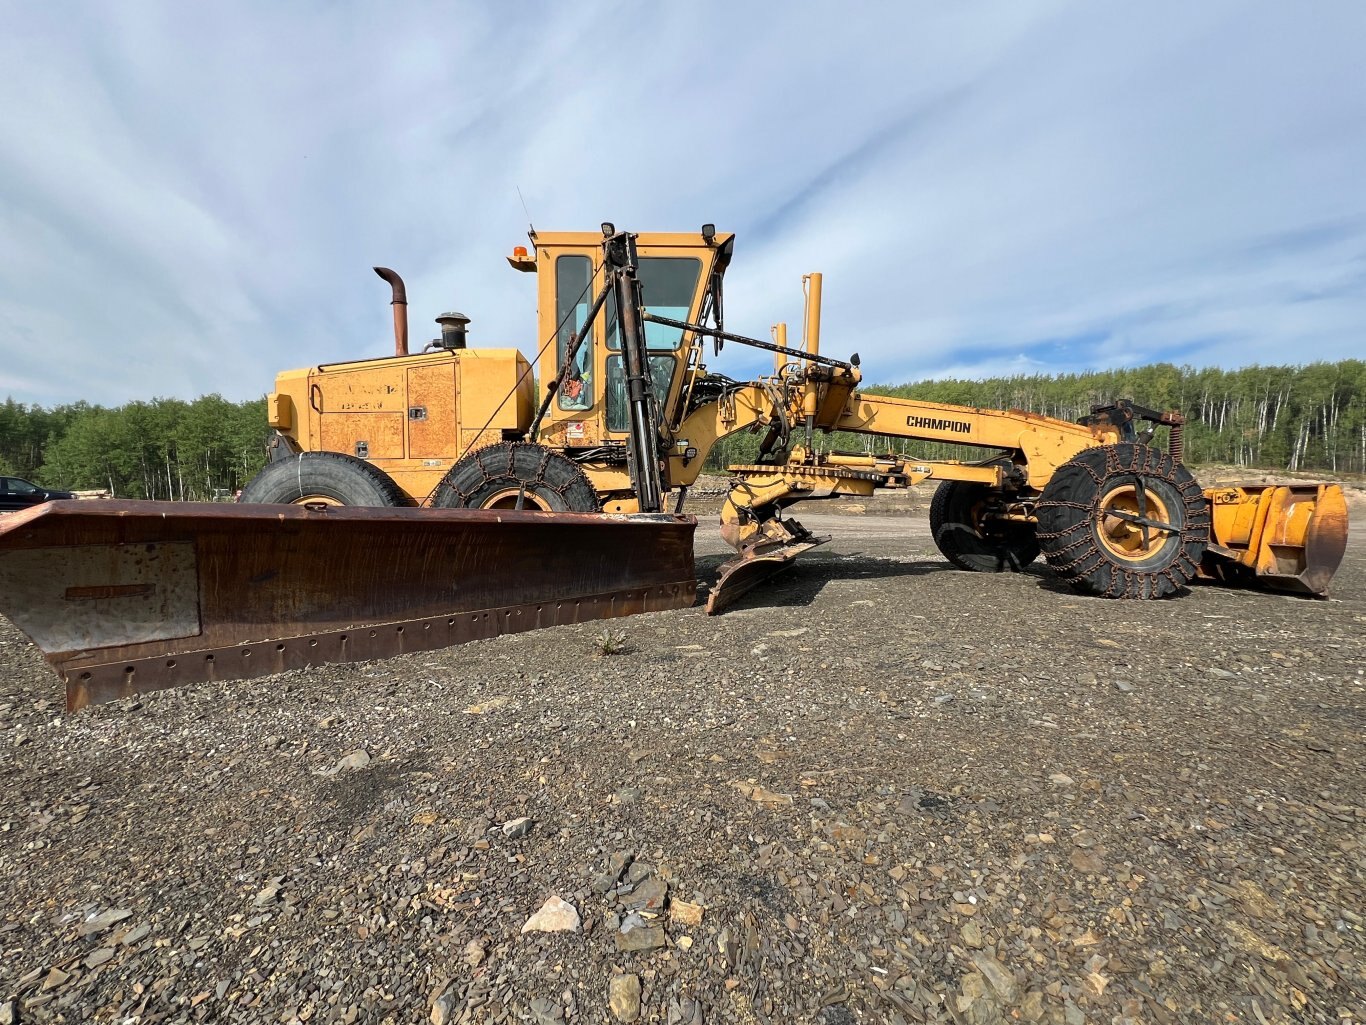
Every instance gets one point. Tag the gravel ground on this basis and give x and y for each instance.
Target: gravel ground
(879, 791)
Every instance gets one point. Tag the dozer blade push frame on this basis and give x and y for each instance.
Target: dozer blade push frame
(125, 597)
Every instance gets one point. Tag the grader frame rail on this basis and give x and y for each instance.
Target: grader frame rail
(628, 416)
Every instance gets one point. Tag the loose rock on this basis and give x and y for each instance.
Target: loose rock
(357, 759)
(623, 996)
(640, 938)
(681, 912)
(555, 915)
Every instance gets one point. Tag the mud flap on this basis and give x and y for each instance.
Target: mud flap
(1278, 537)
(128, 597)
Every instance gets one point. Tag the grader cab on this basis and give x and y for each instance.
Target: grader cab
(438, 496)
(415, 416)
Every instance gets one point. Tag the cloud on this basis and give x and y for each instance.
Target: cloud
(191, 197)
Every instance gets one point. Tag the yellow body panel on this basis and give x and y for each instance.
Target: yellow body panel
(412, 416)
(280, 411)
(1046, 443)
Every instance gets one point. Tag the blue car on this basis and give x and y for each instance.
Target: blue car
(17, 493)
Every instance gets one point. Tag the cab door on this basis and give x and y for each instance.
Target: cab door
(669, 287)
(575, 417)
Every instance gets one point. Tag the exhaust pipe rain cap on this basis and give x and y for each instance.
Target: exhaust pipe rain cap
(453, 335)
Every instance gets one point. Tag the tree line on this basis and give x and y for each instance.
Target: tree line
(162, 449)
(1310, 417)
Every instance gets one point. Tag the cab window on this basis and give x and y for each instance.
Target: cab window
(573, 297)
(668, 285)
(661, 376)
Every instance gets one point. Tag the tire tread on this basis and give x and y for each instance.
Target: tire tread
(551, 475)
(345, 478)
(1070, 507)
(960, 543)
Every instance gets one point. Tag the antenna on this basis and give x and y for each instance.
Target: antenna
(530, 228)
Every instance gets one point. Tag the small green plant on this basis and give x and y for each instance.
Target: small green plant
(610, 642)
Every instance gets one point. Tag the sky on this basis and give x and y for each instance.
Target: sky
(192, 195)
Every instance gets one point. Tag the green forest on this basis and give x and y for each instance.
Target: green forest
(1297, 418)
(162, 449)
(1310, 417)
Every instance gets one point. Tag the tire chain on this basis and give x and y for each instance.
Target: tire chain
(509, 471)
(1127, 583)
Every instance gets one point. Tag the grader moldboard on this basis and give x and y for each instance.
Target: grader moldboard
(425, 499)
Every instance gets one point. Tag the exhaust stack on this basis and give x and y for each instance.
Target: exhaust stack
(400, 304)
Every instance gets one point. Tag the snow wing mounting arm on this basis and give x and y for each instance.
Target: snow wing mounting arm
(570, 354)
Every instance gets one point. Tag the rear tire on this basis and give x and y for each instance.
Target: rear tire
(328, 477)
(494, 477)
(1101, 553)
(971, 543)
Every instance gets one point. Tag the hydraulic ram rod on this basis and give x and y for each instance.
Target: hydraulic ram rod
(712, 332)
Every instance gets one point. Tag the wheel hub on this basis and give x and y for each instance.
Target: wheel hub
(1120, 531)
(507, 499)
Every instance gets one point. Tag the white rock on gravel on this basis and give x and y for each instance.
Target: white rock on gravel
(104, 920)
(556, 915)
(357, 759)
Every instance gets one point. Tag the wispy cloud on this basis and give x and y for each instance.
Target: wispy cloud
(191, 196)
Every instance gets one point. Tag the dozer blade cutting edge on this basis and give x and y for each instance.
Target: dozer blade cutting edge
(125, 597)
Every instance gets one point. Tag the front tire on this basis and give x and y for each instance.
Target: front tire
(496, 476)
(1087, 522)
(969, 539)
(328, 477)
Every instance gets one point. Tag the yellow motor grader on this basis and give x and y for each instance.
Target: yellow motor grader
(630, 412)
(428, 498)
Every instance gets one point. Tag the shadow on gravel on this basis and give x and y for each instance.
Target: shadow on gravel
(1049, 581)
(352, 796)
(800, 584)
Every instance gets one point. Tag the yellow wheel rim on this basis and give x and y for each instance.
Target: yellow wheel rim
(977, 517)
(1124, 538)
(507, 499)
(316, 499)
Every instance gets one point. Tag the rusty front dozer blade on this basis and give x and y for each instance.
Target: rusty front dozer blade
(773, 550)
(1279, 537)
(127, 597)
